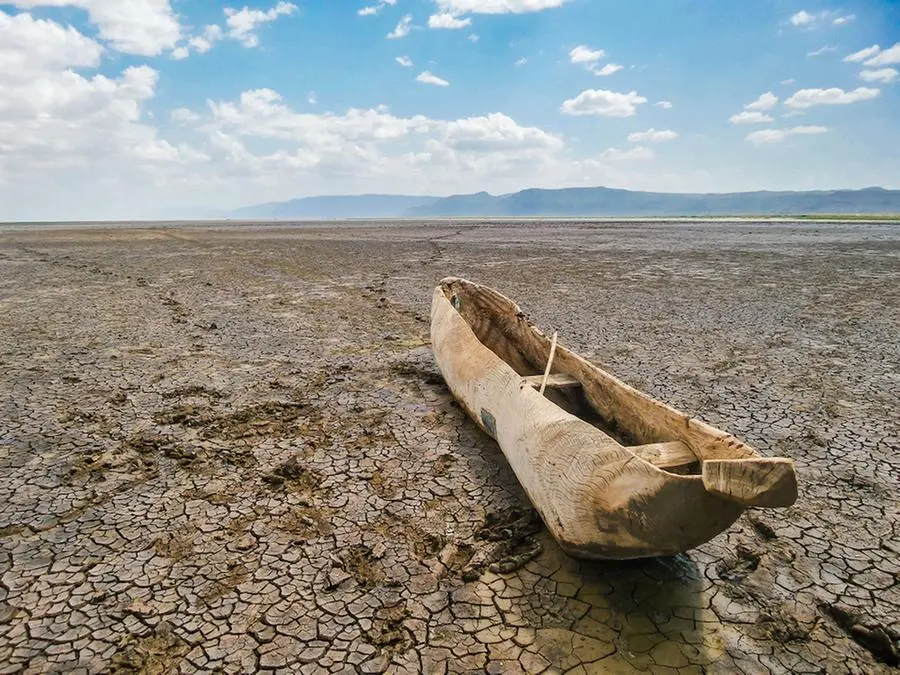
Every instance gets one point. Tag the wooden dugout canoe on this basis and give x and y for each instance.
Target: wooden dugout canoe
(614, 473)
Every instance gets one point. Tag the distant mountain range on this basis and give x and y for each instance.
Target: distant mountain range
(350, 206)
(573, 202)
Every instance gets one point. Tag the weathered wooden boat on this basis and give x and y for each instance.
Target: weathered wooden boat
(613, 473)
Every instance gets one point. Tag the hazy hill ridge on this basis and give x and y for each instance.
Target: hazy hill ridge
(592, 201)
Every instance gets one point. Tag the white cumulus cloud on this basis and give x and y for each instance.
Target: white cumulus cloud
(404, 61)
(371, 147)
(603, 103)
(448, 21)
(497, 131)
(142, 27)
(584, 54)
(402, 29)
(885, 75)
(29, 46)
(426, 77)
(590, 59)
(665, 105)
(749, 117)
(652, 136)
(804, 18)
(888, 57)
(778, 135)
(240, 25)
(497, 6)
(371, 10)
(862, 54)
(822, 50)
(54, 119)
(608, 69)
(203, 43)
(243, 22)
(766, 101)
(807, 98)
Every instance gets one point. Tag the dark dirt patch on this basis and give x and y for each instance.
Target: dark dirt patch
(148, 442)
(743, 563)
(156, 654)
(425, 544)
(186, 415)
(421, 374)
(10, 530)
(241, 523)
(176, 545)
(237, 574)
(306, 522)
(442, 464)
(776, 621)
(293, 475)
(456, 557)
(119, 398)
(882, 641)
(381, 486)
(388, 633)
(360, 563)
(84, 417)
(184, 455)
(131, 458)
(509, 542)
(422, 544)
(272, 418)
(780, 625)
(762, 528)
(193, 391)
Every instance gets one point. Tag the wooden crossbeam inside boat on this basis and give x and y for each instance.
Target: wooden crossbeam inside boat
(554, 381)
(671, 456)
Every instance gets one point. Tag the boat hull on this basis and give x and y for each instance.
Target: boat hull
(597, 498)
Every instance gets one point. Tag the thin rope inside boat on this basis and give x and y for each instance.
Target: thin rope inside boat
(549, 363)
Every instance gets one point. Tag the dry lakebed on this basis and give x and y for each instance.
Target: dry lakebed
(226, 447)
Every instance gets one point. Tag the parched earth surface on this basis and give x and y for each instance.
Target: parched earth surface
(229, 448)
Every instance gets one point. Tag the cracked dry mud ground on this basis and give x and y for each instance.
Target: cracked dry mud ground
(229, 448)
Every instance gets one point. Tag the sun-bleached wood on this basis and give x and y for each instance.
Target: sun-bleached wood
(581, 453)
(554, 381)
(673, 456)
(767, 481)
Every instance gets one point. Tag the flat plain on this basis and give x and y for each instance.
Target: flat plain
(227, 447)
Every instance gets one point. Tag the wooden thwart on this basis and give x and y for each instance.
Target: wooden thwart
(671, 456)
(554, 381)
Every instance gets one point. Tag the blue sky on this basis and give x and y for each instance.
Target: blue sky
(143, 108)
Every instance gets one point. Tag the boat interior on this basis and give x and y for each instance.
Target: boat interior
(579, 390)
